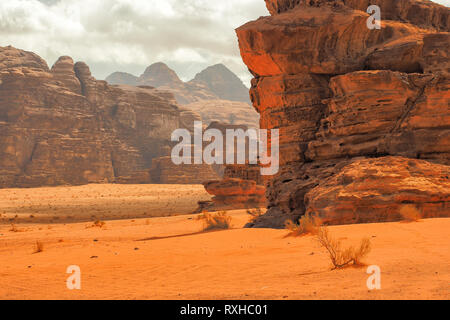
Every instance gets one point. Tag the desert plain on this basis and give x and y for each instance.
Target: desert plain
(142, 242)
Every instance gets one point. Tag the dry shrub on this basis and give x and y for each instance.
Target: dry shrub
(254, 213)
(97, 224)
(39, 247)
(215, 221)
(410, 213)
(343, 257)
(308, 224)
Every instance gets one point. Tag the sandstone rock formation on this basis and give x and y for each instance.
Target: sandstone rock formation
(62, 126)
(214, 83)
(345, 98)
(164, 171)
(242, 187)
(223, 83)
(235, 194)
(384, 185)
(244, 172)
(216, 94)
(225, 111)
(422, 13)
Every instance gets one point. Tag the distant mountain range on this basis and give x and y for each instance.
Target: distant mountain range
(214, 83)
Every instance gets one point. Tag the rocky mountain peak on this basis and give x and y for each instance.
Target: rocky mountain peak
(160, 75)
(223, 83)
(64, 71)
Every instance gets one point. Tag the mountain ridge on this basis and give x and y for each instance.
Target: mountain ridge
(217, 82)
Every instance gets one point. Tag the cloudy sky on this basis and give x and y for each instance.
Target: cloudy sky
(129, 35)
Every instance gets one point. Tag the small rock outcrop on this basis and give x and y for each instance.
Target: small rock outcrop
(242, 187)
(232, 193)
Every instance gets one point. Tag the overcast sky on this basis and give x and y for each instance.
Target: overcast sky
(129, 35)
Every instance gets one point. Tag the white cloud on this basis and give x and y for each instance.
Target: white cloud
(128, 35)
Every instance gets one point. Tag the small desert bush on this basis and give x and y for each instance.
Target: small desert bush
(308, 224)
(343, 257)
(215, 221)
(39, 247)
(254, 213)
(98, 224)
(410, 213)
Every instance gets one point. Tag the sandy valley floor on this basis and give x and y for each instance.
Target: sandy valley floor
(164, 258)
(98, 202)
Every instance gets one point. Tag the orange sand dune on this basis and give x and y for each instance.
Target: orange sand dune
(234, 264)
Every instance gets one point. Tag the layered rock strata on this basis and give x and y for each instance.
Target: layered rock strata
(363, 113)
(61, 126)
(242, 187)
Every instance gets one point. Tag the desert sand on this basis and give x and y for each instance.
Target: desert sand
(98, 202)
(170, 258)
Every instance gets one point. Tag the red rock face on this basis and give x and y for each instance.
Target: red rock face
(340, 92)
(421, 13)
(62, 126)
(376, 189)
(242, 187)
(233, 193)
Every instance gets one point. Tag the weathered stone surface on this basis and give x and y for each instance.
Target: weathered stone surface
(62, 126)
(244, 172)
(164, 171)
(423, 13)
(242, 187)
(345, 97)
(64, 71)
(376, 189)
(232, 193)
(294, 105)
(335, 41)
(385, 112)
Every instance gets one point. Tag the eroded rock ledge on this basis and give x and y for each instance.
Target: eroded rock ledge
(364, 115)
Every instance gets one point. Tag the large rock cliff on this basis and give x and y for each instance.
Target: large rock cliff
(62, 126)
(364, 114)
